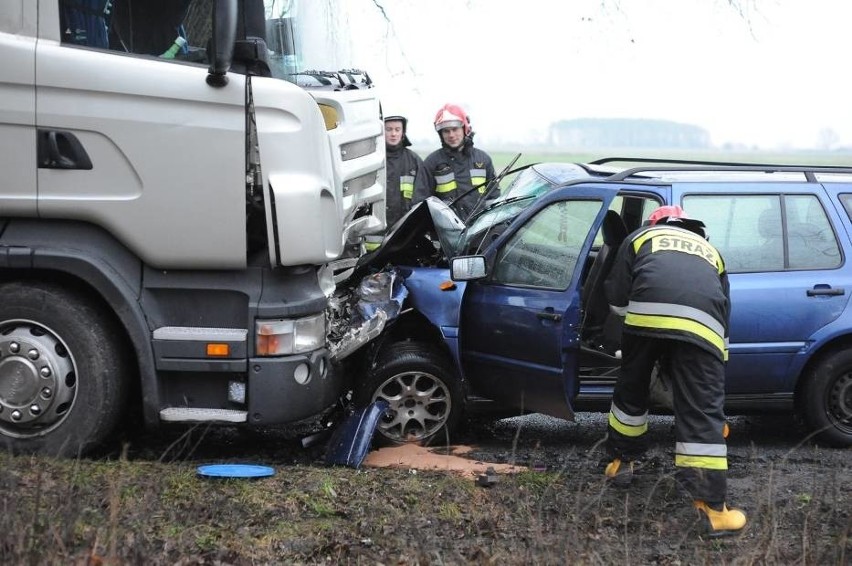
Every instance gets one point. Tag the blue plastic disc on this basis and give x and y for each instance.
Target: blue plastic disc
(235, 471)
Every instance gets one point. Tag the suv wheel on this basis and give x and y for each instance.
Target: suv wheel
(422, 390)
(827, 407)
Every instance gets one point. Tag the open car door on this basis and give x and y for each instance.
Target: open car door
(520, 326)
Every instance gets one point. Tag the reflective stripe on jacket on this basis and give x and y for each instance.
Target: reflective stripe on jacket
(402, 167)
(448, 173)
(671, 283)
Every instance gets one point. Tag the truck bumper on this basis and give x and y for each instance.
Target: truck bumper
(286, 390)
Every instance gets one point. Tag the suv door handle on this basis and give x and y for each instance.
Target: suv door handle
(825, 290)
(549, 314)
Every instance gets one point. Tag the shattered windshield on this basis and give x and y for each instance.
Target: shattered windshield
(528, 185)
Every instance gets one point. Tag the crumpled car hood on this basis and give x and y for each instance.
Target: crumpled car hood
(373, 294)
(427, 233)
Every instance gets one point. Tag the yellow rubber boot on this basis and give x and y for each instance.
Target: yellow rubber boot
(721, 523)
(619, 473)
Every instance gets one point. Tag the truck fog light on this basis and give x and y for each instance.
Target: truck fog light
(302, 374)
(282, 337)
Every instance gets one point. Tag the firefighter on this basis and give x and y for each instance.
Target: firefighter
(671, 286)
(458, 167)
(402, 167)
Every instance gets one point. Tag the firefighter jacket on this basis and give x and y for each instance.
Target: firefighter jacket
(402, 167)
(448, 173)
(669, 282)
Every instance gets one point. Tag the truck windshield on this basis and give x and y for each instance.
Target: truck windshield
(299, 42)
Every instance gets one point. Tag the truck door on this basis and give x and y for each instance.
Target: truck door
(137, 143)
(520, 327)
(17, 111)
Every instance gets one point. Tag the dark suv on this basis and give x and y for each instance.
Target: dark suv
(511, 309)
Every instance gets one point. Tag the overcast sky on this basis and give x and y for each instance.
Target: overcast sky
(773, 73)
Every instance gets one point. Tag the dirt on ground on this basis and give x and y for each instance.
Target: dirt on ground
(546, 501)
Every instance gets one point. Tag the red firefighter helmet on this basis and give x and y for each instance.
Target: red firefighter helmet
(665, 212)
(452, 116)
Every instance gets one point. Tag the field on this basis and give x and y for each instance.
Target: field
(147, 505)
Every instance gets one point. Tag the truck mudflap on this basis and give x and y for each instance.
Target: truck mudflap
(351, 440)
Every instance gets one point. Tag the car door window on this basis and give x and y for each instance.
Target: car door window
(769, 232)
(544, 252)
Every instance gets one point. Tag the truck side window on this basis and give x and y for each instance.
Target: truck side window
(769, 232)
(85, 22)
(167, 29)
(543, 253)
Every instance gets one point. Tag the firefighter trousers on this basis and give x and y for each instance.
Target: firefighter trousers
(698, 386)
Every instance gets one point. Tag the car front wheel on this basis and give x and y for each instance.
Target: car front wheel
(424, 395)
(827, 407)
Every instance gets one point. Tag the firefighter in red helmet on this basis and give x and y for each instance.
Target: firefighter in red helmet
(458, 170)
(671, 286)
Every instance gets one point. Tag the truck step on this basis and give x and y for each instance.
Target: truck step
(195, 414)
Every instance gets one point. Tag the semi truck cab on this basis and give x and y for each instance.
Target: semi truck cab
(172, 200)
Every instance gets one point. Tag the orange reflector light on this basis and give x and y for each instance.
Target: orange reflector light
(447, 286)
(220, 350)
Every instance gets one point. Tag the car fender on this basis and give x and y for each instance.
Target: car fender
(437, 297)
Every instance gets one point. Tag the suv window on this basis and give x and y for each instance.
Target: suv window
(544, 252)
(767, 232)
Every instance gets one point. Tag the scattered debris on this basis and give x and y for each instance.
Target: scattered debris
(447, 458)
(487, 479)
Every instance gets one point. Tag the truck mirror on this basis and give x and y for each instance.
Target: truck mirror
(467, 268)
(221, 50)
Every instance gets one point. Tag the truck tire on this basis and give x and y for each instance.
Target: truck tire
(827, 407)
(63, 381)
(422, 389)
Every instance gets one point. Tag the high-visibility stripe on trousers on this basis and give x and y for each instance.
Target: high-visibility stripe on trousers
(698, 381)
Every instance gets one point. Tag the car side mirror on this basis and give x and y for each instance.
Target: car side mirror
(467, 268)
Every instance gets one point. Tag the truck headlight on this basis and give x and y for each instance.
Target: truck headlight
(285, 336)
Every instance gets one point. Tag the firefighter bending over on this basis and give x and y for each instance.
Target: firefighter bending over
(671, 286)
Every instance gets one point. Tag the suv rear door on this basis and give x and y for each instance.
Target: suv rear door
(780, 244)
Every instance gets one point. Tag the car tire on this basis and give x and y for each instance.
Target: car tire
(827, 406)
(63, 382)
(424, 394)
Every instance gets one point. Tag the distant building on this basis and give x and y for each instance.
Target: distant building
(626, 132)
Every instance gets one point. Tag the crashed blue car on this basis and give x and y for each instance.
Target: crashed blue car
(509, 311)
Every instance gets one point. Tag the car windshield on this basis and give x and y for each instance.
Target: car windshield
(529, 184)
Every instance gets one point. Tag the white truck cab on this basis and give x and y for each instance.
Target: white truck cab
(172, 196)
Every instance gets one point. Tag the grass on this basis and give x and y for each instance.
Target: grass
(127, 512)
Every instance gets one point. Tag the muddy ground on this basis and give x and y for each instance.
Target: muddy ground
(150, 507)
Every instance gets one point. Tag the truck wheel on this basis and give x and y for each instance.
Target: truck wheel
(62, 379)
(827, 407)
(422, 390)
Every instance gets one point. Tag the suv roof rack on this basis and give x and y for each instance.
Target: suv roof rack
(809, 171)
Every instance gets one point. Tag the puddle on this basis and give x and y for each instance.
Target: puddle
(451, 459)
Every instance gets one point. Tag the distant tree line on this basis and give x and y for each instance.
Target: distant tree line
(626, 132)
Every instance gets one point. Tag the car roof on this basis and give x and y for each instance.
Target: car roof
(676, 170)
